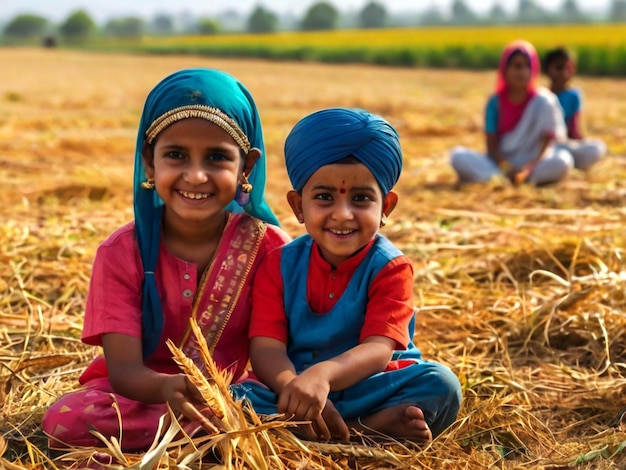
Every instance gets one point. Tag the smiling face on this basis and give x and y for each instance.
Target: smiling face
(341, 206)
(196, 167)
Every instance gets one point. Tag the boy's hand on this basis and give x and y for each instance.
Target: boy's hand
(305, 396)
(329, 425)
(335, 423)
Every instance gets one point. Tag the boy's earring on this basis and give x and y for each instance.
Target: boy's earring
(246, 187)
(148, 184)
(383, 220)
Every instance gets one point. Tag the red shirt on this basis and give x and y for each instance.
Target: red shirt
(389, 309)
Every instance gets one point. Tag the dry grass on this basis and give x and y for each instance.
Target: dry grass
(521, 290)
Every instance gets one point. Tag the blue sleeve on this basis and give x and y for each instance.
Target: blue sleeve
(491, 115)
(571, 102)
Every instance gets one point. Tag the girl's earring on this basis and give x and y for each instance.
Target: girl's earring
(243, 191)
(148, 184)
(383, 220)
(246, 187)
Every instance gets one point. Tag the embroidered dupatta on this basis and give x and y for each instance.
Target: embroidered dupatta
(190, 89)
(224, 296)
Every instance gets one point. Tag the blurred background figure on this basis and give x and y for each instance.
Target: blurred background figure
(522, 125)
(560, 67)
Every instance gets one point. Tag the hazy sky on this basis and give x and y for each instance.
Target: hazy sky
(103, 9)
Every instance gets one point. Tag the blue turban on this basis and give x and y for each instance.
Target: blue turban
(327, 136)
(195, 89)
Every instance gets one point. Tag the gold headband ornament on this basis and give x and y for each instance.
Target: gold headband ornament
(211, 114)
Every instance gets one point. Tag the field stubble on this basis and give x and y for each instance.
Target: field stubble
(520, 290)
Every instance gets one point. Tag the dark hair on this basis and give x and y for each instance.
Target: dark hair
(559, 53)
(517, 52)
(350, 159)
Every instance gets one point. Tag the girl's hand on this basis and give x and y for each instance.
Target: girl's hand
(522, 175)
(184, 398)
(130, 377)
(305, 396)
(519, 177)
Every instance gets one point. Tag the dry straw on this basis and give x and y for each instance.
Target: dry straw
(533, 330)
(521, 291)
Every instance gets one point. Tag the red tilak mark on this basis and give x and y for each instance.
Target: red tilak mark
(342, 191)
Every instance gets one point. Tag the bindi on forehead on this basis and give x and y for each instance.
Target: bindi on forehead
(342, 190)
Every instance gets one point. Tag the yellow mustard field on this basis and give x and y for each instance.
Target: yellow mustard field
(541, 36)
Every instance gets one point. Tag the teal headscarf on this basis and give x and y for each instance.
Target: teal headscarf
(329, 135)
(199, 92)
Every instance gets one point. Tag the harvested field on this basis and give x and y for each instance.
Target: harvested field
(521, 291)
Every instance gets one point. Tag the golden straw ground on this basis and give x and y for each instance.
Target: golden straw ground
(520, 290)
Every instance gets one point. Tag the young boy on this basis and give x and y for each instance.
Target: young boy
(560, 68)
(333, 316)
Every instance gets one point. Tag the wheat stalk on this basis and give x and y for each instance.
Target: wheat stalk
(207, 389)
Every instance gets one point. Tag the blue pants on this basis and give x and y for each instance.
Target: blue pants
(430, 386)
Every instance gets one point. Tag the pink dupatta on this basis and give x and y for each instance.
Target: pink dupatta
(223, 302)
(529, 51)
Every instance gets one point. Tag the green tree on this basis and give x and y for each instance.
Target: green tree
(163, 24)
(373, 15)
(128, 27)
(262, 21)
(531, 13)
(432, 16)
(208, 26)
(571, 13)
(26, 26)
(618, 11)
(320, 16)
(78, 25)
(497, 15)
(462, 14)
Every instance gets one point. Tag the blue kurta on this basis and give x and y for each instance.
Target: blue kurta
(315, 337)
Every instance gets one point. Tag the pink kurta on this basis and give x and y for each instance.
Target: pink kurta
(221, 305)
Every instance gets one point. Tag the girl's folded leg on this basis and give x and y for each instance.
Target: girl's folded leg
(70, 420)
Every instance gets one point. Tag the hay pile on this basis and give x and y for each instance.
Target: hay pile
(521, 291)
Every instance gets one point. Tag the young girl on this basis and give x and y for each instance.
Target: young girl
(333, 315)
(560, 68)
(522, 125)
(191, 251)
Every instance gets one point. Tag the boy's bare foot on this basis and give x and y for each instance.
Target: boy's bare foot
(400, 422)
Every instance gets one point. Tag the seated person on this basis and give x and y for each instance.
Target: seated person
(333, 315)
(523, 124)
(560, 68)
